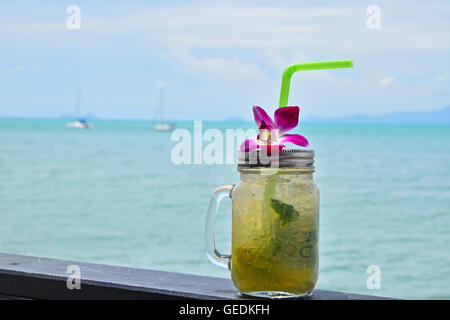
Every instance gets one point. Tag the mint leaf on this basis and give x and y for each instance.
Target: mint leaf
(286, 211)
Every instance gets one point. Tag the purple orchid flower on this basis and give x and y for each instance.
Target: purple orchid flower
(272, 134)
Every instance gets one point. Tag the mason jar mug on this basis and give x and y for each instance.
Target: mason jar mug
(275, 226)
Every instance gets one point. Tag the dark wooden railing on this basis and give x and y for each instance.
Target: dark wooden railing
(25, 277)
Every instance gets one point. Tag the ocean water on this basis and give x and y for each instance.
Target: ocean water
(112, 195)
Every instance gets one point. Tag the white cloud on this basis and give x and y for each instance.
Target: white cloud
(387, 81)
(18, 68)
(160, 84)
(228, 70)
(280, 25)
(443, 78)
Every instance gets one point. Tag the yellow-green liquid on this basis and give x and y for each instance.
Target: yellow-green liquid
(269, 253)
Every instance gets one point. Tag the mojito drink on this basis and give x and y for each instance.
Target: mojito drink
(275, 233)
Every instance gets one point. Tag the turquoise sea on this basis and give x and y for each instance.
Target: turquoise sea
(112, 195)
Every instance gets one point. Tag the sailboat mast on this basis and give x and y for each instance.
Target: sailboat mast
(162, 126)
(161, 103)
(77, 104)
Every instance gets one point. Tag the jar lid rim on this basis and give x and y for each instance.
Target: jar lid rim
(286, 158)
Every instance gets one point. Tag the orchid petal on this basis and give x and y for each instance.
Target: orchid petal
(295, 139)
(286, 118)
(248, 145)
(265, 126)
(262, 117)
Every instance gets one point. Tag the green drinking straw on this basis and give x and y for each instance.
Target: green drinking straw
(289, 71)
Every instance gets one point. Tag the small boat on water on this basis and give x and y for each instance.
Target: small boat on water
(162, 125)
(79, 123)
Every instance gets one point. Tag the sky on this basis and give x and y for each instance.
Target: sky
(216, 59)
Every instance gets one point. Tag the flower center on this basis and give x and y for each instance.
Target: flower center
(267, 137)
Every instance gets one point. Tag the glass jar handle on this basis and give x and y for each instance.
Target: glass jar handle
(215, 256)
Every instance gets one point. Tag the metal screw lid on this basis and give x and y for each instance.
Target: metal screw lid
(286, 158)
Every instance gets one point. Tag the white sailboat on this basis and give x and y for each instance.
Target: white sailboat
(79, 123)
(162, 125)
